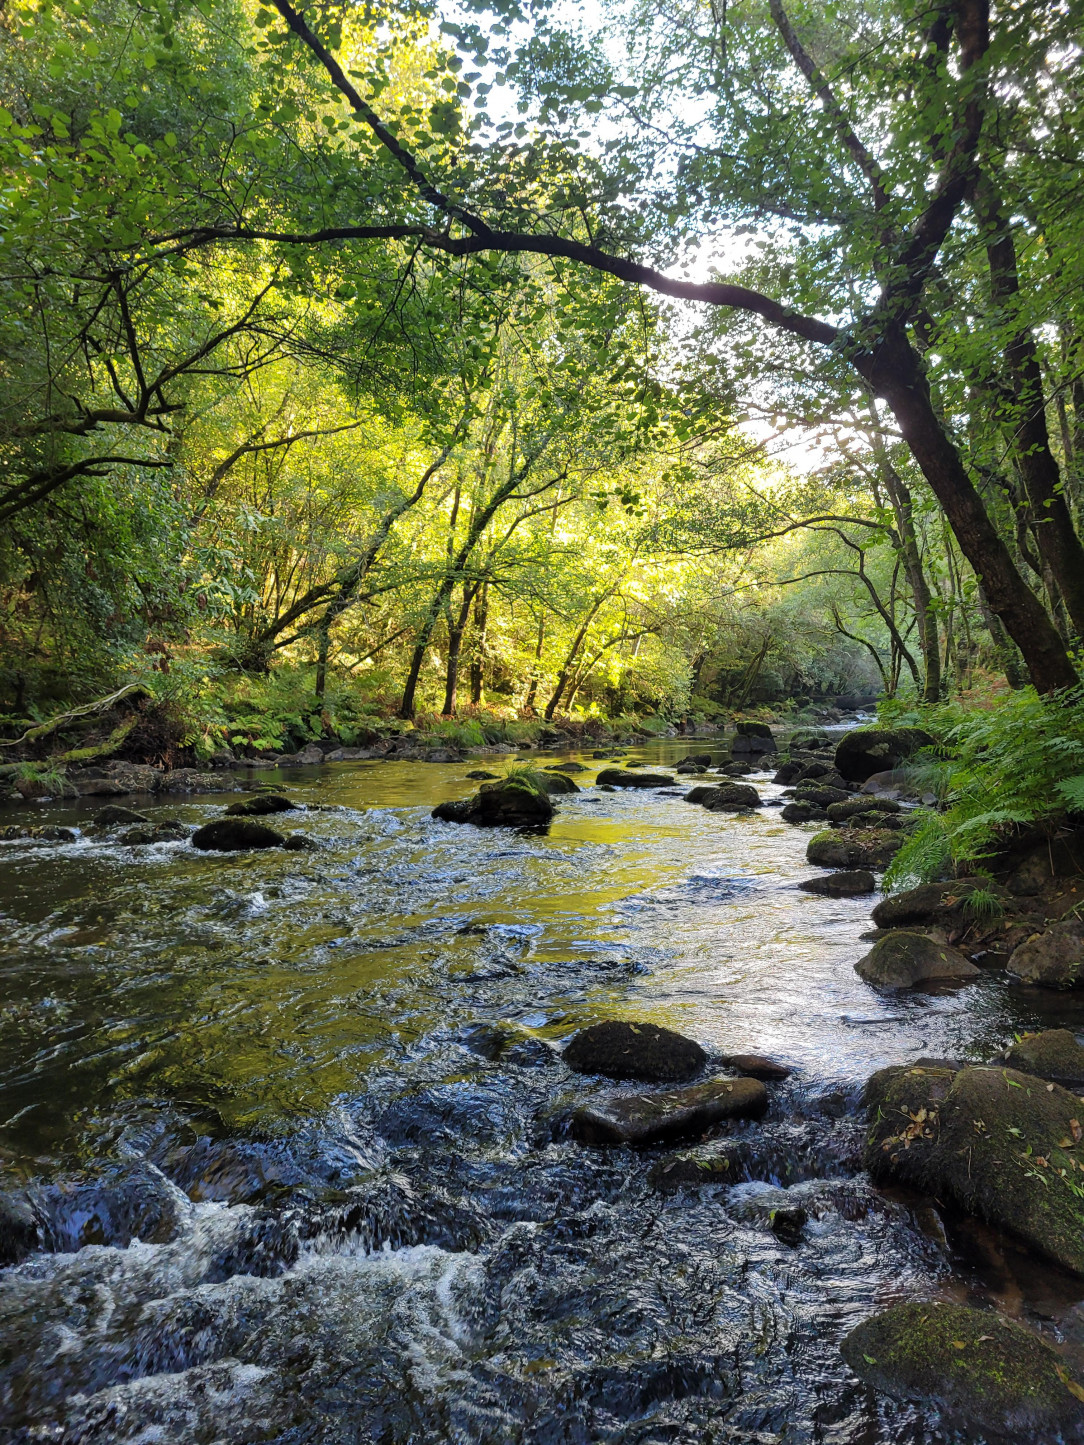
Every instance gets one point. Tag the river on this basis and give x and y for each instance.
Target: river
(327, 1085)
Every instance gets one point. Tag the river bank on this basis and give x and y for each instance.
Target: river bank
(325, 1091)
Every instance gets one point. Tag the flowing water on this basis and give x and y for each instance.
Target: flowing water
(296, 1124)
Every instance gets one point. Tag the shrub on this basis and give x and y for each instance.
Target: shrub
(1016, 762)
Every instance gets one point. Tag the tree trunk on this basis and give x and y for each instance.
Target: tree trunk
(478, 661)
(532, 691)
(896, 374)
(1024, 421)
(455, 650)
(900, 497)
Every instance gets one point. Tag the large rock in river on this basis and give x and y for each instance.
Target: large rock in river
(846, 848)
(903, 959)
(510, 802)
(875, 750)
(944, 904)
(1053, 1054)
(229, 835)
(1054, 958)
(999, 1143)
(622, 1050)
(731, 798)
(628, 778)
(677, 1114)
(261, 806)
(986, 1373)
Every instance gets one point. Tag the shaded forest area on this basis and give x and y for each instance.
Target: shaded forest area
(351, 378)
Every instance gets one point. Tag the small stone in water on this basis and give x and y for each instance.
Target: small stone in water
(756, 1066)
(850, 883)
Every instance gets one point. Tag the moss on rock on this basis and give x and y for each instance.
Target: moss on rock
(980, 1369)
(998, 1143)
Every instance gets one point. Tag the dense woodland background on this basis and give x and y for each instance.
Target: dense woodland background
(362, 382)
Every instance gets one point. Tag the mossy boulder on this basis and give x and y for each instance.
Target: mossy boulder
(732, 798)
(557, 783)
(943, 904)
(903, 959)
(984, 1372)
(821, 795)
(875, 750)
(1053, 1054)
(642, 1119)
(645, 1051)
(512, 802)
(630, 778)
(787, 773)
(850, 883)
(840, 812)
(261, 806)
(994, 1141)
(1053, 958)
(847, 848)
(803, 813)
(231, 835)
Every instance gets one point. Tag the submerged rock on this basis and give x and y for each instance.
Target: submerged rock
(1053, 1054)
(227, 835)
(643, 1051)
(480, 775)
(756, 1066)
(567, 768)
(260, 806)
(678, 1113)
(114, 814)
(904, 959)
(875, 750)
(167, 830)
(300, 843)
(985, 1372)
(628, 778)
(507, 803)
(45, 833)
(849, 883)
(996, 1142)
(1054, 958)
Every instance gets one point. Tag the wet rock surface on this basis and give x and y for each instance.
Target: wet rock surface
(848, 883)
(644, 1051)
(985, 1372)
(260, 806)
(997, 1142)
(641, 1119)
(227, 835)
(633, 778)
(506, 803)
(904, 959)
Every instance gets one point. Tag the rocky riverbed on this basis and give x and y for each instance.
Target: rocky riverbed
(293, 1149)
